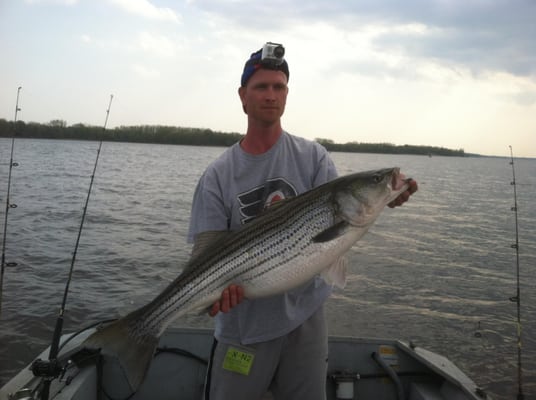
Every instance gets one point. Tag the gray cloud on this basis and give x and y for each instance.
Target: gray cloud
(481, 35)
(527, 98)
(490, 36)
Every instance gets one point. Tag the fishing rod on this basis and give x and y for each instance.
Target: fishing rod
(517, 297)
(8, 205)
(52, 368)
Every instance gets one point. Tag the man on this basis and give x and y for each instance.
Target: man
(277, 343)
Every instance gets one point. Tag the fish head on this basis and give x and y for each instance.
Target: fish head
(362, 196)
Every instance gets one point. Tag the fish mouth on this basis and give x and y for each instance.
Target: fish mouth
(399, 183)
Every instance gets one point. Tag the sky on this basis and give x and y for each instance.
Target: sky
(459, 74)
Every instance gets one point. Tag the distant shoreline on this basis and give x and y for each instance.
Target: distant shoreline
(158, 134)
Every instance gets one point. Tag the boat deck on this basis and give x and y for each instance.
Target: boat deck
(357, 369)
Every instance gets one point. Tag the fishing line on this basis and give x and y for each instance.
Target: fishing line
(517, 297)
(8, 205)
(51, 369)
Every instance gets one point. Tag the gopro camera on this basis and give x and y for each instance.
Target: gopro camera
(272, 54)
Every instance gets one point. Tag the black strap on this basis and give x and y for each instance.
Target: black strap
(209, 369)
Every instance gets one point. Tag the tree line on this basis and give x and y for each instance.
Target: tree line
(389, 148)
(159, 134)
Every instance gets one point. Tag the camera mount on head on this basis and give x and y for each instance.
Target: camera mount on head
(272, 54)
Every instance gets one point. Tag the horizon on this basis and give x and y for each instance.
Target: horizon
(457, 75)
(238, 133)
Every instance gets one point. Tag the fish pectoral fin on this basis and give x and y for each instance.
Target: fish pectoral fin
(332, 232)
(201, 311)
(335, 275)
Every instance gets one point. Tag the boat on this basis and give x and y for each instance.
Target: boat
(358, 368)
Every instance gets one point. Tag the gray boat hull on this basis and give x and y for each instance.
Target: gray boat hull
(358, 368)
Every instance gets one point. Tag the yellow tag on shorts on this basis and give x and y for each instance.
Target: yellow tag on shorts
(238, 361)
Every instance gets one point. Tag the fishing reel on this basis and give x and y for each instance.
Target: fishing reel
(48, 369)
(57, 367)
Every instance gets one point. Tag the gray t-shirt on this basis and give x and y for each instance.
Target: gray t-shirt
(232, 191)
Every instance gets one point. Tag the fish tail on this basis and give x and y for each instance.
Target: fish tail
(133, 351)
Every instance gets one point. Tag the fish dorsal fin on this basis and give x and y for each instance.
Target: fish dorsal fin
(205, 240)
(335, 275)
(333, 232)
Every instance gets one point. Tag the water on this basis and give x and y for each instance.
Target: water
(438, 271)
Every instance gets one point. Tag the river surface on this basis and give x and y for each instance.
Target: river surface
(438, 271)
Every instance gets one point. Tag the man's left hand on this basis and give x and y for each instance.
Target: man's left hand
(404, 196)
(230, 297)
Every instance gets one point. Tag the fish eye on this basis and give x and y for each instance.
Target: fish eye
(377, 178)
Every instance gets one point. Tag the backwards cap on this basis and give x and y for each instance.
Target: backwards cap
(255, 63)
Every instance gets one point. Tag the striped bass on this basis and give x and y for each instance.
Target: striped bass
(286, 246)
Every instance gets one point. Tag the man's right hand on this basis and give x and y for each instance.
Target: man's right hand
(230, 297)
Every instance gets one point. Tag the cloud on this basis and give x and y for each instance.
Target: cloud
(525, 98)
(480, 35)
(145, 72)
(157, 44)
(146, 9)
(479, 48)
(59, 2)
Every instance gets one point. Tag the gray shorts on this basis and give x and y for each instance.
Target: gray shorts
(290, 367)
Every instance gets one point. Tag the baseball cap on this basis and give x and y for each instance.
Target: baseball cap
(256, 62)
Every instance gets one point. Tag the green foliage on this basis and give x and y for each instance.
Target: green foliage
(58, 123)
(58, 129)
(388, 148)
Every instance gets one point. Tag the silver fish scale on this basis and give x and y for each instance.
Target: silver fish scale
(275, 241)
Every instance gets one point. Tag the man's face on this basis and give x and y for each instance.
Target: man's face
(265, 95)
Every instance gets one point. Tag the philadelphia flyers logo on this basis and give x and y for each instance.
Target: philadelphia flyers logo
(257, 199)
